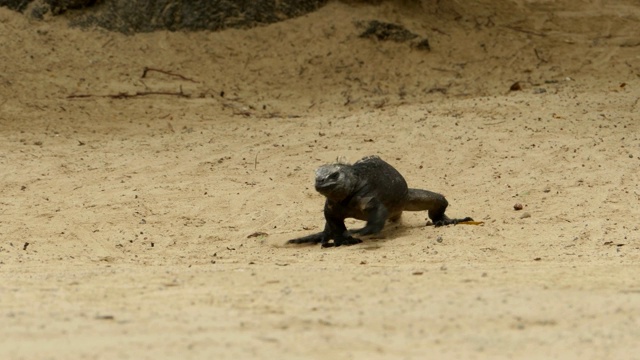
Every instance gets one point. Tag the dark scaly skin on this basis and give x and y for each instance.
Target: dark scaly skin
(373, 191)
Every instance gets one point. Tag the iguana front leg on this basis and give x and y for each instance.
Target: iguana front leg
(434, 203)
(377, 215)
(338, 232)
(334, 228)
(325, 236)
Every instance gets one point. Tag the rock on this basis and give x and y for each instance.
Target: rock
(383, 31)
(131, 16)
(387, 31)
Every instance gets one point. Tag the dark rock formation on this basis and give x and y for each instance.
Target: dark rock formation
(130, 16)
(383, 31)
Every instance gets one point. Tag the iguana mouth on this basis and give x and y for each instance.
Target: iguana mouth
(323, 187)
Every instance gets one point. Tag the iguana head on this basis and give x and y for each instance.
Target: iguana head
(335, 181)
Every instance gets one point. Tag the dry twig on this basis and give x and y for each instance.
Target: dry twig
(124, 95)
(148, 69)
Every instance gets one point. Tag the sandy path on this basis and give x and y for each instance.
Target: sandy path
(126, 224)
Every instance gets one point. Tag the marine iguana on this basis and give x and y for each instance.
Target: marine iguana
(373, 191)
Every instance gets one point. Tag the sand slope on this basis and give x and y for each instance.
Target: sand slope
(145, 217)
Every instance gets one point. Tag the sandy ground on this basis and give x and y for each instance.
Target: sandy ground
(145, 217)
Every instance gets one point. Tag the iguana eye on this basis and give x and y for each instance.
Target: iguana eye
(333, 176)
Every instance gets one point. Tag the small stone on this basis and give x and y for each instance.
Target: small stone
(518, 206)
(525, 215)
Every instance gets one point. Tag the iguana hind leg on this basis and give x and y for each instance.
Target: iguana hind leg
(434, 203)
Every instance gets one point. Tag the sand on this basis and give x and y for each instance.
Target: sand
(145, 215)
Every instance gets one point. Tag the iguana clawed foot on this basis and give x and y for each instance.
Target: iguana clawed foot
(346, 241)
(321, 238)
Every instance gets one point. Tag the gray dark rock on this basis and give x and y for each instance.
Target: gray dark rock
(387, 31)
(383, 31)
(131, 16)
(373, 191)
(40, 7)
(18, 5)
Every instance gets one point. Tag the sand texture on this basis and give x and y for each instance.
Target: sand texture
(144, 214)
